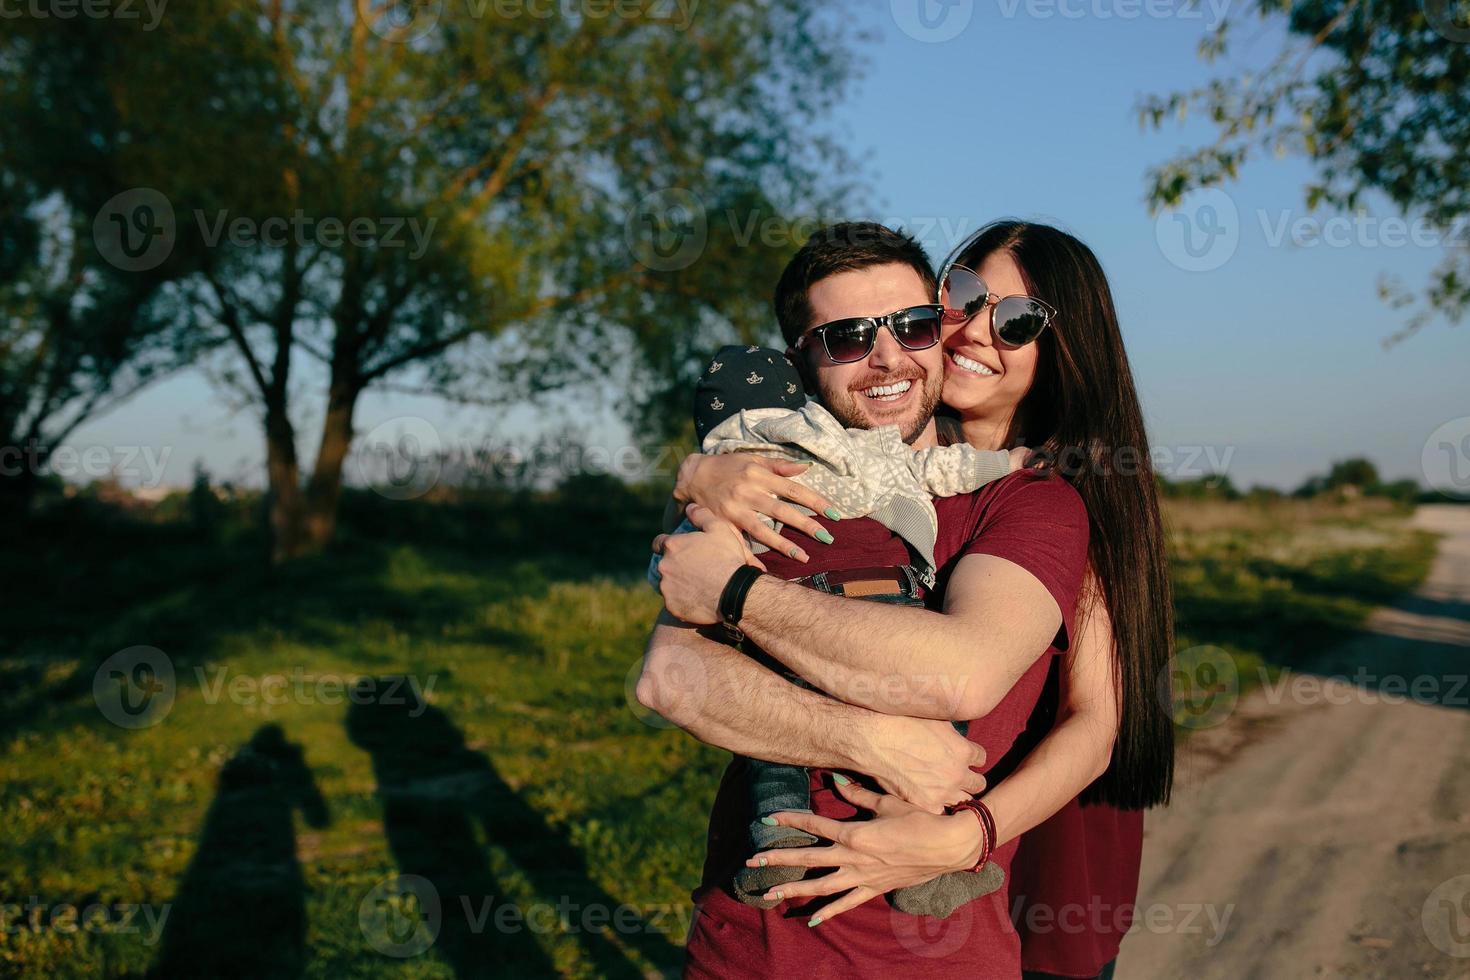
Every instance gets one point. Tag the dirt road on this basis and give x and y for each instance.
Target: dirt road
(1323, 829)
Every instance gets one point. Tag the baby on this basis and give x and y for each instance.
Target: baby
(750, 399)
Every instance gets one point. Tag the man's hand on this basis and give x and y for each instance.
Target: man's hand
(924, 761)
(696, 567)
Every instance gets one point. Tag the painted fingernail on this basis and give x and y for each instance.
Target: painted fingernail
(769, 821)
(772, 896)
(814, 921)
(798, 554)
(824, 536)
(763, 862)
(840, 779)
(832, 514)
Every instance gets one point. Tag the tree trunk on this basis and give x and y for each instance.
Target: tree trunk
(324, 493)
(285, 507)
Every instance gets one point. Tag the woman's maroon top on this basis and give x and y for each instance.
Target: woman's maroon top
(1074, 884)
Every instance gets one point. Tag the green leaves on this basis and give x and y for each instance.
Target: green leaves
(584, 180)
(1375, 95)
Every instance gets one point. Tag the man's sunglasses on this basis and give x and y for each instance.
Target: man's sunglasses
(852, 339)
(1015, 321)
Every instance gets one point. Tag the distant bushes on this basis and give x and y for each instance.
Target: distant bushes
(1204, 488)
(1348, 479)
(1358, 477)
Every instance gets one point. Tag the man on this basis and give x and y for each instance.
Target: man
(1010, 564)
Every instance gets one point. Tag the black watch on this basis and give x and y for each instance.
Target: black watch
(732, 600)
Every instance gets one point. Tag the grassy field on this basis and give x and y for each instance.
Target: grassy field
(1270, 585)
(278, 820)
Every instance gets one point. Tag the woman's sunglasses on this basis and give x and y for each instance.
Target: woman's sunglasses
(852, 339)
(1015, 321)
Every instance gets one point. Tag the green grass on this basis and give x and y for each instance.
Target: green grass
(525, 776)
(1275, 584)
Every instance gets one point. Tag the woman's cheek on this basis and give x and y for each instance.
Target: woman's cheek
(1020, 368)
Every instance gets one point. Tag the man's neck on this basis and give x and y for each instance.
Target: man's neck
(927, 439)
(986, 433)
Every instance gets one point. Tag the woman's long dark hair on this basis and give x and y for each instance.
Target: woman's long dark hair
(1082, 414)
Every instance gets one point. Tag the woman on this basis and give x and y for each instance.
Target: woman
(1067, 392)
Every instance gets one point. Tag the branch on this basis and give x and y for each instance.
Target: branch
(517, 141)
(97, 407)
(231, 320)
(443, 343)
(415, 353)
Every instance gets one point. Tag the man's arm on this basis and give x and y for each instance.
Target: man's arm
(1000, 614)
(958, 664)
(900, 660)
(722, 697)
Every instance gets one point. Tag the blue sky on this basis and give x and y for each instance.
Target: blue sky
(1270, 360)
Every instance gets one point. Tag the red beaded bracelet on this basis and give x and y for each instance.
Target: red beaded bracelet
(987, 828)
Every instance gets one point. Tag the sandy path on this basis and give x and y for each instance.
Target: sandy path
(1331, 826)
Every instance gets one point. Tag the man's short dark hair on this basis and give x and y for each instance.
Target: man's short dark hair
(844, 247)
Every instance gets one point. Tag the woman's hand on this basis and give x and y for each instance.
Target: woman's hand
(741, 487)
(901, 846)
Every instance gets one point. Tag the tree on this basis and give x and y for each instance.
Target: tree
(1375, 94)
(1357, 472)
(373, 197)
(77, 334)
(1357, 475)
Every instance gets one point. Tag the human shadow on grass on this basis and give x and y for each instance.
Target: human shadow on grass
(1417, 652)
(438, 797)
(240, 910)
(1399, 659)
(1422, 605)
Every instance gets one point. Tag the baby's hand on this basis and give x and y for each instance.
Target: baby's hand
(1018, 458)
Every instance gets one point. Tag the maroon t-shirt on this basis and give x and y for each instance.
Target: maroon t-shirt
(1039, 523)
(1074, 885)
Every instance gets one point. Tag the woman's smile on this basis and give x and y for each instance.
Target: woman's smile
(959, 363)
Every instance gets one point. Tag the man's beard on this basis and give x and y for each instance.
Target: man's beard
(846, 404)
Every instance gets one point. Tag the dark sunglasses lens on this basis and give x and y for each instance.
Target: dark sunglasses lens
(1019, 320)
(917, 329)
(851, 340)
(963, 293)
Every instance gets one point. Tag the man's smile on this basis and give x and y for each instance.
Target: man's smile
(894, 391)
